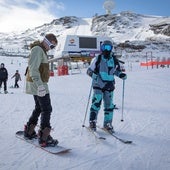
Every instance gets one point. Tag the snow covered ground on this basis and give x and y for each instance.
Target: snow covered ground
(146, 122)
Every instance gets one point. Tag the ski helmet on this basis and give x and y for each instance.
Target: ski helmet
(107, 46)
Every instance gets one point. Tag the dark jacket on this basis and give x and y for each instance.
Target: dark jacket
(3, 74)
(17, 76)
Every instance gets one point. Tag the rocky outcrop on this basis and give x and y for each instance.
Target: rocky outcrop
(161, 28)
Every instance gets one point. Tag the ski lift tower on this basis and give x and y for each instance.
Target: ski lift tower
(108, 6)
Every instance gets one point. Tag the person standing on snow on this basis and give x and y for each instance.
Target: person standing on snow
(17, 78)
(102, 70)
(37, 77)
(3, 77)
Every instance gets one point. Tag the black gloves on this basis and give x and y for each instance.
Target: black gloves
(123, 76)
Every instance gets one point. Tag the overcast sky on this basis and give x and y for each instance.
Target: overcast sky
(16, 15)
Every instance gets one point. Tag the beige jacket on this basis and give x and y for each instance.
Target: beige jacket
(38, 70)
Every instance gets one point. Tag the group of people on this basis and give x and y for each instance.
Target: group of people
(102, 70)
(4, 78)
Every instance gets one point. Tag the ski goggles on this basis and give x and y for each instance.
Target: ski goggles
(106, 47)
(52, 46)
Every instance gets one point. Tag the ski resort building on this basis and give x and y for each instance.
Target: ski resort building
(78, 47)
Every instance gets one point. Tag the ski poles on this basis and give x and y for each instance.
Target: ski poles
(87, 106)
(123, 91)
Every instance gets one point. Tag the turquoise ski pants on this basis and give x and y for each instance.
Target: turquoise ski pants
(107, 97)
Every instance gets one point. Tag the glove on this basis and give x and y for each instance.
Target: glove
(123, 76)
(94, 76)
(89, 72)
(41, 91)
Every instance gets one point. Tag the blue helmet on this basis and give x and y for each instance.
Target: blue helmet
(106, 46)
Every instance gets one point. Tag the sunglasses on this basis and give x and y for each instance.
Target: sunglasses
(52, 46)
(106, 47)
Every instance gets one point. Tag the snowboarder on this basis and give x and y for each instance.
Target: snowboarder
(17, 78)
(102, 70)
(37, 84)
(3, 77)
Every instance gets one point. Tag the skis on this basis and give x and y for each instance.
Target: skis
(96, 135)
(50, 149)
(116, 137)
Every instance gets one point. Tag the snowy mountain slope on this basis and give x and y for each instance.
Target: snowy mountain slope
(84, 27)
(125, 26)
(146, 122)
(150, 31)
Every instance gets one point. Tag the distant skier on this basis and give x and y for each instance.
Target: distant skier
(102, 70)
(37, 76)
(3, 77)
(17, 78)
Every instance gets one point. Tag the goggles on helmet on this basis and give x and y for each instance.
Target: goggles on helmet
(106, 47)
(49, 43)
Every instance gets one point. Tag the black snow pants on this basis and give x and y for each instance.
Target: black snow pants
(42, 107)
(16, 84)
(5, 84)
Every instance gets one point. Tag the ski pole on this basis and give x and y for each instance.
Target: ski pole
(123, 91)
(87, 106)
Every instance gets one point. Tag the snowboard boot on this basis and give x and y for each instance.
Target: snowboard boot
(45, 138)
(29, 131)
(92, 125)
(108, 126)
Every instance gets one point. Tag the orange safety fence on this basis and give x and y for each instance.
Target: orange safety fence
(152, 63)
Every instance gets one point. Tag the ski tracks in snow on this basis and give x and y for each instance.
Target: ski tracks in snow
(137, 120)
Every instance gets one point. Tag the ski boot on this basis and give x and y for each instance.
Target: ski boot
(29, 131)
(45, 139)
(92, 124)
(108, 126)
